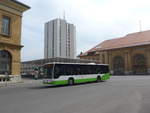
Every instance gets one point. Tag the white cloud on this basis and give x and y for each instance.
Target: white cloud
(95, 20)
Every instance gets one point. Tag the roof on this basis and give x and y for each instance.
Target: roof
(130, 40)
(20, 3)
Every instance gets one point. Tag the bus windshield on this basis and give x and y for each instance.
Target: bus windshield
(48, 71)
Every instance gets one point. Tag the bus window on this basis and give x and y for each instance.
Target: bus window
(48, 72)
(71, 70)
(90, 70)
(68, 70)
(81, 70)
(56, 72)
(98, 70)
(106, 69)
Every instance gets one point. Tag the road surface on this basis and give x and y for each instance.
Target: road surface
(117, 95)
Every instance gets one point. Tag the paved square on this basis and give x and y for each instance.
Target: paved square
(120, 94)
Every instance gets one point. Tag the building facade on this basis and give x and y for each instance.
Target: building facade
(128, 55)
(60, 39)
(10, 36)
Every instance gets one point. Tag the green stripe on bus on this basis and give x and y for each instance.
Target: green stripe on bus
(63, 82)
(85, 80)
(106, 76)
(59, 82)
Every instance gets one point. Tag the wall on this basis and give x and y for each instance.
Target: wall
(107, 57)
(12, 42)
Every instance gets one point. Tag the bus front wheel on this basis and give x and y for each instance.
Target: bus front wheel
(71, 81)
(98, 79)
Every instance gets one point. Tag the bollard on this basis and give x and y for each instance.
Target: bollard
(6, 78)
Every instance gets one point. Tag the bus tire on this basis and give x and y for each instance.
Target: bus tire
(71, 81)
(98, 79)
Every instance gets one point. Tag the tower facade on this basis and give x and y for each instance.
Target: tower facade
(60, 39)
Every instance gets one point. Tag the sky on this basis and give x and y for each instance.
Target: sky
(95, 21)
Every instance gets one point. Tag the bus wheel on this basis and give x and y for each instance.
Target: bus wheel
(71, 81)
(98, 79)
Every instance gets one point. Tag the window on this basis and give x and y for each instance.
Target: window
(5, 25)
(5, 62)
(103, 58)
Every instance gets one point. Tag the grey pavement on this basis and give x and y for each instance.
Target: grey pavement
(120, 94)
(23, 82)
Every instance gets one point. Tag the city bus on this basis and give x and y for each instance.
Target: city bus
(73, 73)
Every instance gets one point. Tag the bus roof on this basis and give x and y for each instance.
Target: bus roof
(74, 63)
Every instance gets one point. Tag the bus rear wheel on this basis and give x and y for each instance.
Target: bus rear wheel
(98, 79)
(71, 81)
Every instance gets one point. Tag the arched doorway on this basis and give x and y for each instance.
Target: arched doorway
(118, 65)
(139, 64)
(5, 62)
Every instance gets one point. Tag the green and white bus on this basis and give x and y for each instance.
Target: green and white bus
(73, 73)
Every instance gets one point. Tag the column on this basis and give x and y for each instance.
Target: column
(148, 60)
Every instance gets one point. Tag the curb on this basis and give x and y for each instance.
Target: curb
(4, 84)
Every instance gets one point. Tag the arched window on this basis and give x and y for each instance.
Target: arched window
(118, 65)
(139, 64)
(5, 62)
(139, 59)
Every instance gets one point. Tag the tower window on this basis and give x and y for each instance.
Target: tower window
(5, 25)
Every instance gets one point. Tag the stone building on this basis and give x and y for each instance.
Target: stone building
(10, 36)
(126, 55)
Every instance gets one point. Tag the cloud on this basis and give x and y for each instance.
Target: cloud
(95, 20)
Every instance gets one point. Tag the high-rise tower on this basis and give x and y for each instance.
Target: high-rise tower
(60, 39)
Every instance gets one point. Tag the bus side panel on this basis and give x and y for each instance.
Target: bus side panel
(63, 80)
(60, 82)
(77, 78)
(85, 80)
